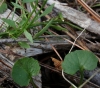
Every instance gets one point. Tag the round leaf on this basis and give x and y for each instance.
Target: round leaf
(78, 59)
(24, 69)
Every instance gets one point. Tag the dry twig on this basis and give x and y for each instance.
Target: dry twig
(92, 12)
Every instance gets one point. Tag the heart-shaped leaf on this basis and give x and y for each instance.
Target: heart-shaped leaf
(78, 59)
(24, 69)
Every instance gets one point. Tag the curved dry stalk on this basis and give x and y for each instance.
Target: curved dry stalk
(76, 40)
(68, 80)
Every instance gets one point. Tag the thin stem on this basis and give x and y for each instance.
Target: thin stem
(30, 16)
(33, 84)
(81, 73)
(89, 79)
(36, 16)
(68, 80)
(76, 39)
(14, 9)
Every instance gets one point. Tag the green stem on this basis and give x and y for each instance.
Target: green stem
(74, 26)
(81, 73)
(14, 10)
(33, 84)
(36, 16)
(89, 79)
(29, 17)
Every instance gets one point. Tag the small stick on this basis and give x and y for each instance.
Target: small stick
(92, 12)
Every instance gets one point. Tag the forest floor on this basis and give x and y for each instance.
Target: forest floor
(68, 26)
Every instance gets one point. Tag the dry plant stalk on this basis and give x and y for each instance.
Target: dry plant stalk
(92, 12)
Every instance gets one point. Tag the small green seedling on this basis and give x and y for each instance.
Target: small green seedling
(23, 71)
(79, 60)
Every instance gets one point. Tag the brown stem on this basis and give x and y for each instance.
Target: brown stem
(92, 12)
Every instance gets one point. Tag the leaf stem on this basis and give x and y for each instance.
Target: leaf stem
(89, 79)
(81, 73)
(33, 84)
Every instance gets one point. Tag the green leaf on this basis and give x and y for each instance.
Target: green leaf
(23, 20)
(9, 22)
(43, 30)
(28, 1)
(57, 27)
(24, 44)
(3, 8)
(97, 5)
(17, 5)
(74, 26)
(47, 11)
(28, 36)
(78, 59)
(24, 69)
